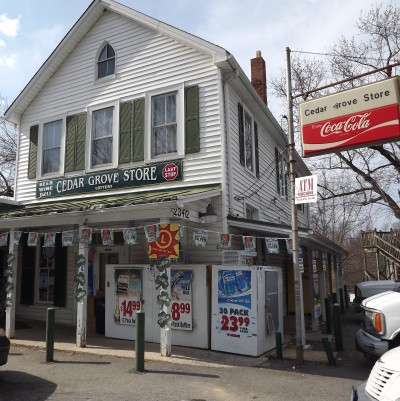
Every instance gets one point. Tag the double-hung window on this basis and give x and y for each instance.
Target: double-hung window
(51, 145)
(248, 141)
(164, 124)
(102, 136)
(281, 174)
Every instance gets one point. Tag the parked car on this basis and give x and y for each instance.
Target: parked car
(383, 383)
(4, 348)
(381, 324)
(368, 288)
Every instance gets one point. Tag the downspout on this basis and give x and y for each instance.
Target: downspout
(227, 181)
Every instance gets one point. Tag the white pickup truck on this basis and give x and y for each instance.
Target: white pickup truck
(383, 383)
(381, 324)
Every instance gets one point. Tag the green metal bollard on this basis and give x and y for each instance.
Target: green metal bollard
(328, 316)
(139, 343)
(328, 351)
(337, 327)
(341, 296)
(278, 337)
(346, 297)
(51, 313)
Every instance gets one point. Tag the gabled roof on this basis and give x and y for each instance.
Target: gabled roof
(81, 28)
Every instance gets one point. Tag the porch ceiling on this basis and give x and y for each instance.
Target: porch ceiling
(101, 202)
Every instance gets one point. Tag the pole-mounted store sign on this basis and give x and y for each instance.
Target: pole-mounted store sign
(350, 119)
(111, 180)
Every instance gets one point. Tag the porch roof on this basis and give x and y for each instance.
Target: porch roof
(105, 201)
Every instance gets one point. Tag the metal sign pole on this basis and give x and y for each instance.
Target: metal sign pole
(298, 293)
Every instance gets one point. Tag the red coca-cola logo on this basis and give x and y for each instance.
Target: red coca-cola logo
(170, 171)
(352, 124)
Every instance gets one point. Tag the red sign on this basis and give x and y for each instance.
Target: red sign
(167, 245)
(170, 171)
(354, 118)
(351, 131)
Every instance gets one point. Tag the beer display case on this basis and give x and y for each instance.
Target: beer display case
(247, 308)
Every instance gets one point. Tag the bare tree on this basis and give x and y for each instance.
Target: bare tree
(8, 153)
(367, 176)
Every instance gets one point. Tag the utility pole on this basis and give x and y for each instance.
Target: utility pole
(298, 290)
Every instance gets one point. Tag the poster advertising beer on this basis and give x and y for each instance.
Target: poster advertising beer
(128, 288)
(181, 294)
(234, 302)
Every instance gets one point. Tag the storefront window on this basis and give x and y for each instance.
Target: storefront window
(46, 274)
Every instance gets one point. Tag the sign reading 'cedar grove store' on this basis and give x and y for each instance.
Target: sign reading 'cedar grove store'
(110, 180)
(354, 118)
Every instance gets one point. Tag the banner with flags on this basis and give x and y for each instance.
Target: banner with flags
(200, 238)
(224, 241)
(130, 236)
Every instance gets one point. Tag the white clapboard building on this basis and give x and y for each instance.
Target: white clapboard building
(133, 124)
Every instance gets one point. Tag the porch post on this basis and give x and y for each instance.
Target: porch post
(11, 286)
(165, 332)
(322, 285)
(81, 274)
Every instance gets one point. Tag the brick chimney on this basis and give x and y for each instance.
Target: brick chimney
(259, 76)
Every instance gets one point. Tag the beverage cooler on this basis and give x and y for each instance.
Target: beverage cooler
(247, 309)
(130, 288)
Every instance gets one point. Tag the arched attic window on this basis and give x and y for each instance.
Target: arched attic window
(106, 61)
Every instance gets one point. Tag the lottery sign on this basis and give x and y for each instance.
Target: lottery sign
(167, 246)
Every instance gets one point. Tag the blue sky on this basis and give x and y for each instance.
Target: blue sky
(30, 30)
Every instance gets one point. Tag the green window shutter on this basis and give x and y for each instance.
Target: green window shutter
(125, 127)
(33, 138)
(80, 142)
(192, 120)
(241, 134)
(75, 143)
(70, 144)
(138, 130)
(257, 157)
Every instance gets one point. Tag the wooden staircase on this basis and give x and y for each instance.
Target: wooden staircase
(386, 245)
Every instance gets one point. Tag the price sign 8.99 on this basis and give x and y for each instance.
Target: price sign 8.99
(181, 293)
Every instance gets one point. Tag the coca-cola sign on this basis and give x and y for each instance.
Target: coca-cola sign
(358, 117)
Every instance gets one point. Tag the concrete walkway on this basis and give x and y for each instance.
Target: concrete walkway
(33, 334)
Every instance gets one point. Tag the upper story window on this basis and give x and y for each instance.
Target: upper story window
(102, 136)
(160, 125)
(281, 174)
(248, 141)
(106, 62)
(252, 213)
(164, 124)
(51, 147)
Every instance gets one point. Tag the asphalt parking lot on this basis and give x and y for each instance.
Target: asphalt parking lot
(190, 375)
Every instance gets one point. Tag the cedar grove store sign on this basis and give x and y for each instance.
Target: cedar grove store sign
(353, 118)
(109, 180)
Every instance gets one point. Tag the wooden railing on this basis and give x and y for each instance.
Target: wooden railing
(386, 243)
